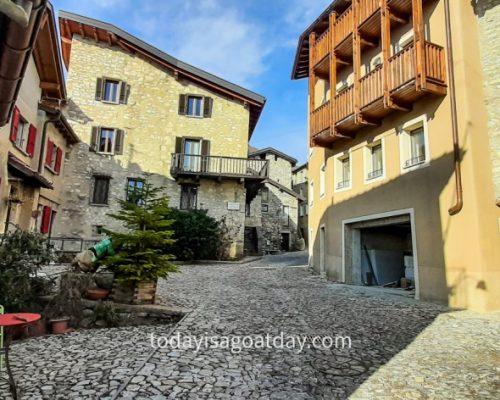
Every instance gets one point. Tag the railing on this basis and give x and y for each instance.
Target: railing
(415, 161)
(375, 174)
(366, 9)
(321, 47)
(343, 184)
(343, 25)
(344, 103)
(71, 244)
(402, 67)
(320, 118)
(434, 62)
(371, 86)
(218, 166)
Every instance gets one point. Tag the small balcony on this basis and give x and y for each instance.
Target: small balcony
(218, 167)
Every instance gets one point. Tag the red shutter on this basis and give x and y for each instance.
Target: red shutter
(57, 166)
(15, 124)
(30, 148)
(48, 155)
(47, 212)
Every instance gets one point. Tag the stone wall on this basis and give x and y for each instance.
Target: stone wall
(151, 123)
(488, 13)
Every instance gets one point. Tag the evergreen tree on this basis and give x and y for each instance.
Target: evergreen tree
(139, 252)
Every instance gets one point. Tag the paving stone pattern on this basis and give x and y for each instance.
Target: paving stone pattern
(387, 359)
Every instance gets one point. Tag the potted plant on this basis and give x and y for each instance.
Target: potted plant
(139, 257)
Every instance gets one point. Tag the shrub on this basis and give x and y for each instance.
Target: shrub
(197, 235)
(21, 256)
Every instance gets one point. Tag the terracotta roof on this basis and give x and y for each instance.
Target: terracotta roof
(73, 24)
(32, 177)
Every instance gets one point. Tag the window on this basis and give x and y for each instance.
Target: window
(322, 180)
(265, 208)
(47, 218)
(195, 106)
(302, 209)
(374, 163)
(101, 190)
(53, 157)
(107, 140)
(417, 147)
(192, 152)
(134, 193)
(22, 134)
(343, 172)
(264, 193)
(285, 216)
(248, 210)
(189, 197)
(113, 91)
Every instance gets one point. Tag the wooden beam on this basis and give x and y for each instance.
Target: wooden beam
(386, 51)
(96, 36)
(419, 42)
(333, 69)
(65, 40)
(368, 42)
(342, 61)
(398, 17)
(356, 53)
(312, 81)
(50, 85)
(81, 30)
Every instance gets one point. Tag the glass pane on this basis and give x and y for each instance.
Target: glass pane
(345, 169)
(111, 91)
(194, 106)
(376, 158)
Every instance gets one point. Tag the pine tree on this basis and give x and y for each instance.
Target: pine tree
(139, 251)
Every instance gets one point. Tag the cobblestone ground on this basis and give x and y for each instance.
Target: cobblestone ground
(401, 349)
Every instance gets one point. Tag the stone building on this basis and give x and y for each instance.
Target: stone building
(272, 214)
(403, 112)
(35, 137)
(138, 112)
(300, 186)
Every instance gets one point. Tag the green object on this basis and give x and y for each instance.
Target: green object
(103, 248)
(1, 340)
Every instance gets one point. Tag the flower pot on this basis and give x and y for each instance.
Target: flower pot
(59, 325)
(96, 294)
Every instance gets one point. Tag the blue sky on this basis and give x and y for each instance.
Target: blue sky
(251, 43)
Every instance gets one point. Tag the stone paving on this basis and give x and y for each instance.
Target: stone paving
(401, 348)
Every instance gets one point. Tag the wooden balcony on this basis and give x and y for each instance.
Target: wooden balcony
(404, 87)
(197, 166)
(321, 48)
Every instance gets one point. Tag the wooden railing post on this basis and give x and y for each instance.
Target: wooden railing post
(333, 72)
(356, 53)
(419, 41)
(386, 51)
(312, 84)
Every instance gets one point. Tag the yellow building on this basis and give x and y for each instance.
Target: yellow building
(400, 172)
(34, 134)
(140, 111)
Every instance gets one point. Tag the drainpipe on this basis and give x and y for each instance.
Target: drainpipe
(457, 207)
(17, 12)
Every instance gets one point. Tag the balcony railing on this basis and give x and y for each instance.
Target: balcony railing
(344, 105)
(371, 86)
(343, 26)
(375, 174)
(217, 166)
(343, 184)
(415, 161)
(435, 67)
(321, 118)
(402, 67)
(366, 9)
(321, 47)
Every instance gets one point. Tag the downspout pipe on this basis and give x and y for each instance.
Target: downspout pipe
(457, 207)
(16, 46)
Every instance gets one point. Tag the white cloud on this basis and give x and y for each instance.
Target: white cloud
(301, 14)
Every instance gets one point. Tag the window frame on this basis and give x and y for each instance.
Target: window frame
(368, 161)
(310, 194)
(118, 90)
(322, 181)
(405, 144)
(266, 191)
(23, 133)
(181, 203)
(139, 200)
(94, 187)
(283, 213)
(113, 142)
(265, 208)
(195, 96)
(342, 184)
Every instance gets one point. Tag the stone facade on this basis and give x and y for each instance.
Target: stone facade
(300, 186)
(488, 13)
(151, 123)
(266, 219)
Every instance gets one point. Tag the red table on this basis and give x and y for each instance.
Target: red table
(7, 321)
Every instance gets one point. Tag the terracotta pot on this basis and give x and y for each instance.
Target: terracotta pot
(96, 294)
(59, 325)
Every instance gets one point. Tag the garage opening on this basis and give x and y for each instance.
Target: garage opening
(379, 252)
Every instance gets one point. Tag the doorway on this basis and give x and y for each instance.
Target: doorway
(322, 250)
(285, 241)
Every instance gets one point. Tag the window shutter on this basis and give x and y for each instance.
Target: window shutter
(120, 134)
(30, 148)
(207, 107)
(98, 89)
(93, 138)
(205, 147)
(48, 155)
(15, 124)
(182, 104)
(124, 92)
(178, 145)
(47, 212)
(57, 166)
